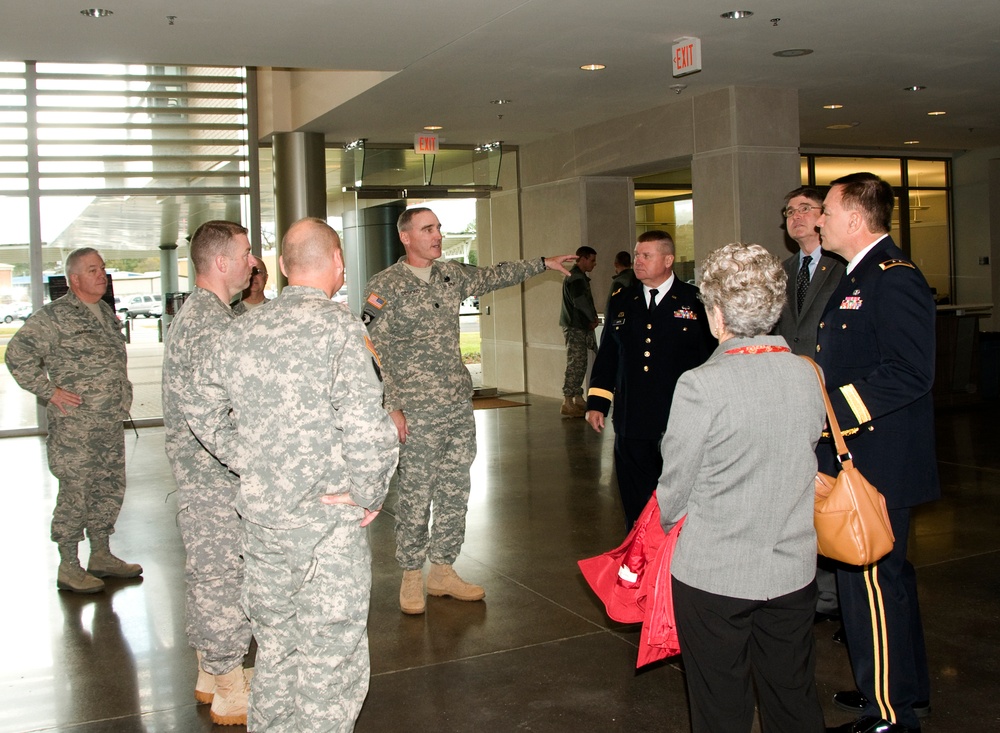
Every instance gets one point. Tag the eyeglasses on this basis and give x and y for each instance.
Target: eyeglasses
(800, 209)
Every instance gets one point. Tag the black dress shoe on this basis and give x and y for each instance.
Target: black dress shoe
(838, 636)
(872, 725)
(854, 702)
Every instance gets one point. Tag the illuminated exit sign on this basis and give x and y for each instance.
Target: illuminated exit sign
(425, 144)
(687, 56)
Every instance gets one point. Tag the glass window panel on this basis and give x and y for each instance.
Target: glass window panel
(831, 168)
(926, 173)
(17, 407)
(930, 239)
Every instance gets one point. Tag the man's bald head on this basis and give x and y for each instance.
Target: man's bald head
(311, 255)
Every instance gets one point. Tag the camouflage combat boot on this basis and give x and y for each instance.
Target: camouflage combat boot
(444, 581)
(103, 564)
(232, 693)
(71, 576)
(571, 409)
(411, 592)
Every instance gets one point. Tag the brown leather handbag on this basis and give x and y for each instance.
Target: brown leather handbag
(852, 524)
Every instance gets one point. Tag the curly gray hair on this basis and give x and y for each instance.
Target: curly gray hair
(747, 284)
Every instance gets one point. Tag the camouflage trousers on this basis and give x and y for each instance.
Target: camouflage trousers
(307, 591)
(213, 570)
(578, 340)
(434, 465)
(88, 458)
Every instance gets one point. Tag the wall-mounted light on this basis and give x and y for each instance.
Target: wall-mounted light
(487, 147)
(358, 144)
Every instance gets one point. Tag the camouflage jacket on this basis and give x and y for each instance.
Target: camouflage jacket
(415, 327)
(301, 378)
(189, 345)
(64, 345)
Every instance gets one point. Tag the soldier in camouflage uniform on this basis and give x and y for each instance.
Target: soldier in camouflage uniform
(253, 295)
(315, 452)
(71, 354)
(578, 318)
(217, 628)
(411, 309)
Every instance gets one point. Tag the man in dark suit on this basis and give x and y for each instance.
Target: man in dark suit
(876, 347)
(813, 275)
(654, 331)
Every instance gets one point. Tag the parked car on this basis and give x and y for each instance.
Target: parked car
(139, 305)
(11, 312)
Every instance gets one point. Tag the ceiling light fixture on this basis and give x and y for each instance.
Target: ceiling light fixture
(914, 88)
(500, 101)
(96, 12)
(937, 113)
(358, 144)
(791, 53)
(843, 126)
(737, 14)
(833, 106)
(911, 142)
(432, 128)
(487, 147)
(678, 88)
(592, 67)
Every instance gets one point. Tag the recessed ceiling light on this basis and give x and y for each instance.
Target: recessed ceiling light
(843, 126)
(592, 67)
(736, 14)
(500, 101)
(790, 53)
(96, 12)
(911, 142)
(914, 88)
(833, 106)
(433, 127)
(937, 113)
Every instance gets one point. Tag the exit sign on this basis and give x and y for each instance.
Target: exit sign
(687, 56)
(425, 144)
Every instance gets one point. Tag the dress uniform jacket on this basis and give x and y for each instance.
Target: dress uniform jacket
(798, 327)
(641, 357)
(876, 346)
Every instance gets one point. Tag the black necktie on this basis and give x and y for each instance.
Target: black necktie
(652, 299)
(802, 281)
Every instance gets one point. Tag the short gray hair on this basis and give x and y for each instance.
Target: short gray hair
(747, 284)
(75, 256)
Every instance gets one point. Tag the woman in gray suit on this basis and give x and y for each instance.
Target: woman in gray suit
(739, 461)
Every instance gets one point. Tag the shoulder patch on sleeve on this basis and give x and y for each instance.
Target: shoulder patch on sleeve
(373, 307)
(896, 263)
(376, 363)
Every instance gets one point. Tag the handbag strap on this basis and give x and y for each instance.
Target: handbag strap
(843, 455)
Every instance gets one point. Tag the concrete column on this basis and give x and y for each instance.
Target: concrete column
(746, 159)
(299, 183)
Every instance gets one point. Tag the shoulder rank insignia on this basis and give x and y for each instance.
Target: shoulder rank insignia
(896, 263)
(616, 292)
(686, 313)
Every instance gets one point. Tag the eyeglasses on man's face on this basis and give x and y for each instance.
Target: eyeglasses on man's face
(801, 210)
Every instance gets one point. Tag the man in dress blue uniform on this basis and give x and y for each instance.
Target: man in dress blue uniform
(654, 331)
(876, 347)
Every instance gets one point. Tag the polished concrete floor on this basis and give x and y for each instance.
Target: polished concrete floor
(537, 655)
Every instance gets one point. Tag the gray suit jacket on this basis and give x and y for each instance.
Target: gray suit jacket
(738, 459)
(799, 328)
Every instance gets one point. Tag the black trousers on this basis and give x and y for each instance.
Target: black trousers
(731, 644)
(885, 637)
(638, 465)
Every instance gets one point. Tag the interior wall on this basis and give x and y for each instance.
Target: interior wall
(976, 200)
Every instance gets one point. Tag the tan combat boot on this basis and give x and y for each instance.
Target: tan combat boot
(580, 402)
(411, 592)
(571, 409)
(232, 693)
(71, 576)
(204, 688)
(103, 564)
(444, 581)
